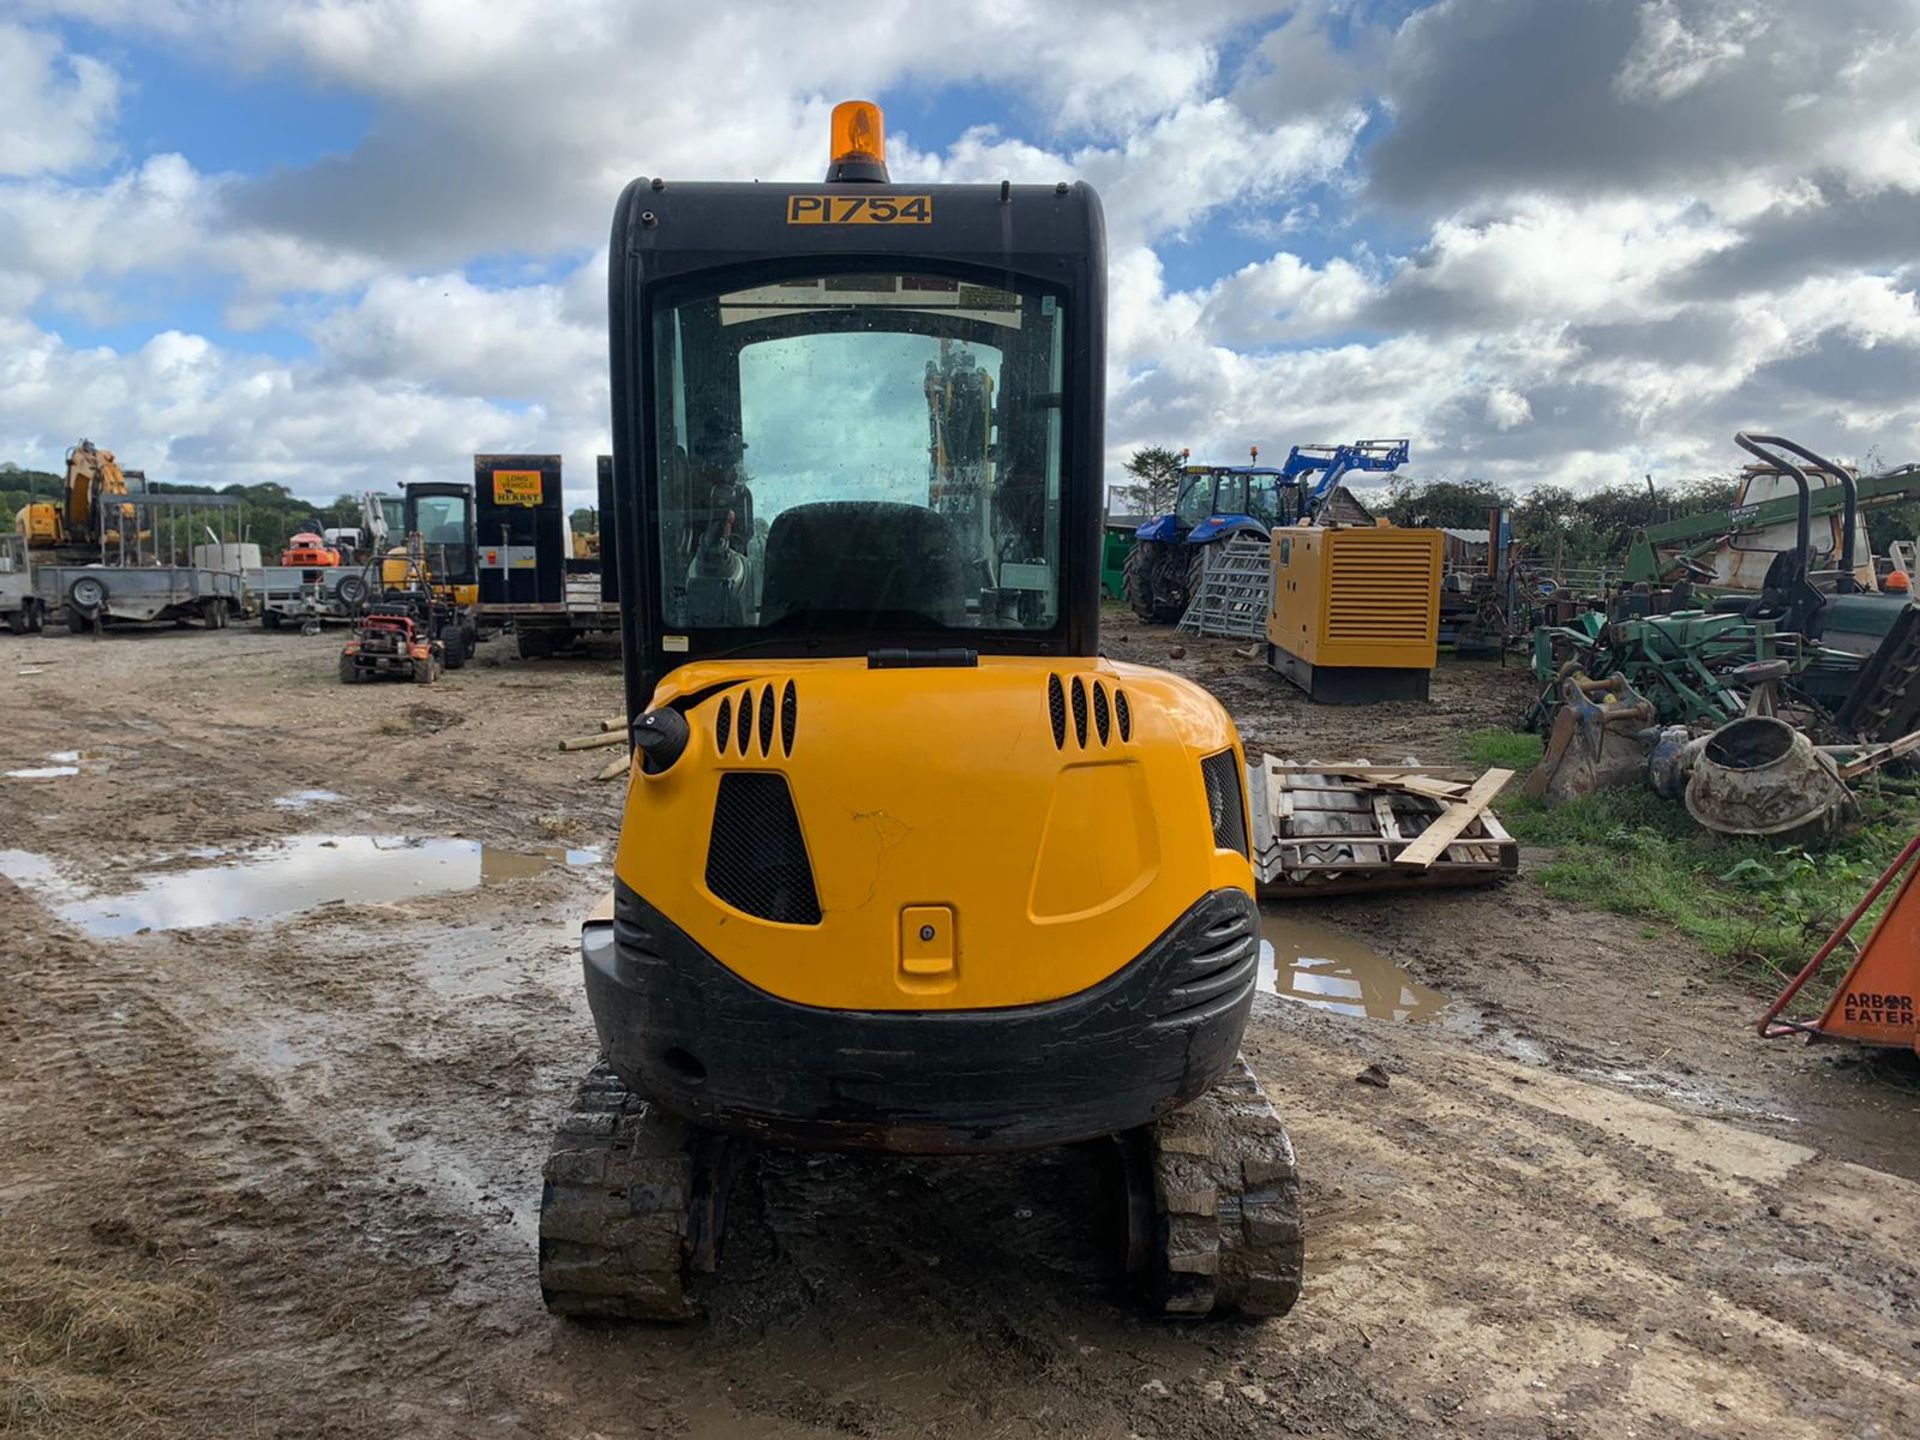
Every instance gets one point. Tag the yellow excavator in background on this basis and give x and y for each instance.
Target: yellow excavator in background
(74, 529)
(442, 552)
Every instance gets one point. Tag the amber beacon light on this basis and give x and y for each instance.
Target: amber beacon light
(859, 143)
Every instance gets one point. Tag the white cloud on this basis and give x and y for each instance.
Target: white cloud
(59, 105)
(1635, 237)
(1675, 52)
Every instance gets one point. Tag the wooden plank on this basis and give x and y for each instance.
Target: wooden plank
(595, 742)
(1436, 837)
(1424, 786)
(1364, 769)
(1879, 755)
(1383, 817)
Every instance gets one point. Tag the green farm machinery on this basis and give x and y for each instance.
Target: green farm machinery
(1818, 643)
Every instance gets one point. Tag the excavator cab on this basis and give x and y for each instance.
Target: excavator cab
(905, 864)
(442, 551)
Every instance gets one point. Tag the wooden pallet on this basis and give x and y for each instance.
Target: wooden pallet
(1331, 828)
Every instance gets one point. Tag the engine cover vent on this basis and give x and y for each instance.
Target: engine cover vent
(1221, 775)
(756, 857)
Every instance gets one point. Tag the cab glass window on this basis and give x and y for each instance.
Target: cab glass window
(874, 451)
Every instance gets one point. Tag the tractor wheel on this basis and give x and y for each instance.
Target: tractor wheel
(1156, 581)
(1136, 582)
(349, 671)
(455, 640)
(1197, 568)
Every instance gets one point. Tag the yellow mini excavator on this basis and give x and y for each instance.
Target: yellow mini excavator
(76, 528)
(906, 865)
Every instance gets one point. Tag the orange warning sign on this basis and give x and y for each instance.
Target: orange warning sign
(1875, 1003)
(517, 487)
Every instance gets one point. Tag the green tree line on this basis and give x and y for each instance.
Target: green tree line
(1596, 527)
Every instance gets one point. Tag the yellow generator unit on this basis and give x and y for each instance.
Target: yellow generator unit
(1353, 614)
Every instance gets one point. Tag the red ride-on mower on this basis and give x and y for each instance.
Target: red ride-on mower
(396, 637)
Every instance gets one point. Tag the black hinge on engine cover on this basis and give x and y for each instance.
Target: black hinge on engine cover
(904, 657)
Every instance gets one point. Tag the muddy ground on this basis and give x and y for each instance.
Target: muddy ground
(278, 1179)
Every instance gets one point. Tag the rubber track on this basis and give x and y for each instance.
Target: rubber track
(1227, 1201)
(614, 1206)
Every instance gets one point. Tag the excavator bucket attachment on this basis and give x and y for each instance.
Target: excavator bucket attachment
(1601, 738)
(1875, 1003)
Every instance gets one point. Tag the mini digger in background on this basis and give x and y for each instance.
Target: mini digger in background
(906, 866)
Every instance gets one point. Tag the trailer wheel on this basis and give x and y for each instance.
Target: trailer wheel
(352, 589)
(88, 594)
(270, 619)
(80, 622)
(532, 644)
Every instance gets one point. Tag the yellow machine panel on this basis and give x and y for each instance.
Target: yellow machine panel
(1353, 615)
(965, 854)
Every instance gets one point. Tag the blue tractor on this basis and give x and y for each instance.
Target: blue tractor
(1217, 501)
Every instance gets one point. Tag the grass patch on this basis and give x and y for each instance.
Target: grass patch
(1504, 749)
(1762, 908)
(82, 1333)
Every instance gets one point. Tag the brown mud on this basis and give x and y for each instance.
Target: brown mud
(1587, 1203)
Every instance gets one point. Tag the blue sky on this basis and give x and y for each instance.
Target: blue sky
(341, 245)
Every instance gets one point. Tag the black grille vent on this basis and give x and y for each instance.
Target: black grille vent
(1221, 775)
(789, 717)
(756, 858)
(1101, 722)
(1123, 712)
(766, 721)
(1080, 712)
(723, 725)
(746, 721)
(1057, 711)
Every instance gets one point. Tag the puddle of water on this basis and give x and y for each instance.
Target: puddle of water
(285, 878)
(305, 799)
(60, 763)
(1325, 967)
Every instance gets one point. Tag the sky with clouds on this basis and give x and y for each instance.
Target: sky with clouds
(347, 243)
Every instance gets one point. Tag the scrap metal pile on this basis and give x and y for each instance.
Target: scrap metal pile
(1755, 707)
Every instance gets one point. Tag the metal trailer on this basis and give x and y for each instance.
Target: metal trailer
(296, 594)
(138, 577)
(87, 596)
(20, 609)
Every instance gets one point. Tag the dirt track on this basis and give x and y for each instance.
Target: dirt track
(1589, 1204)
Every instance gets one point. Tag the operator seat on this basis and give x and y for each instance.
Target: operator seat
(863, 556)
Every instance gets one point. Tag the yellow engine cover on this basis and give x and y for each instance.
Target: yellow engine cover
(967, 851)
(1356, 595)
(39, 521)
